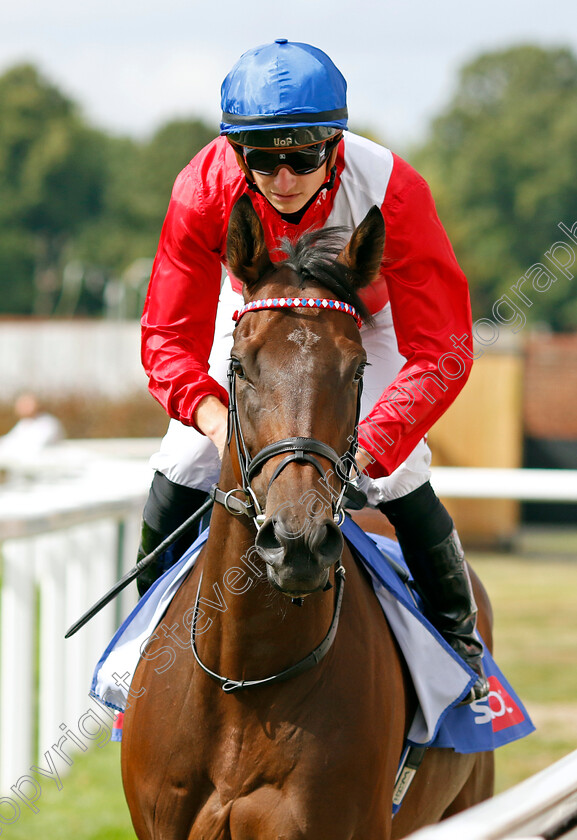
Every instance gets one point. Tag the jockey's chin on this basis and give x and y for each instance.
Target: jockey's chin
(287, 192)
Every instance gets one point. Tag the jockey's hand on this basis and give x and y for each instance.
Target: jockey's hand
(364, 483)
(363, 459)
(356, 491)
(211, 417)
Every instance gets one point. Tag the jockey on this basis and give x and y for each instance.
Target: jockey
(283, 141)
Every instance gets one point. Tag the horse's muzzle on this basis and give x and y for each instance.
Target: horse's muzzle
(299, 558)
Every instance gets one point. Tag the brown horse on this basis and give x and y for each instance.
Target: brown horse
(310, 751)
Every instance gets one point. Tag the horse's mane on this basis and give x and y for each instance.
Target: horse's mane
(314, 258)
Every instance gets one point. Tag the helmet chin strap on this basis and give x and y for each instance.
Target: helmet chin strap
(332, 160)
(297, 216)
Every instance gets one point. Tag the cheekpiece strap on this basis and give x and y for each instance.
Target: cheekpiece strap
(298, 302)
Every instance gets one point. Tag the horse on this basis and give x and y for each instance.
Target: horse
(282, 708)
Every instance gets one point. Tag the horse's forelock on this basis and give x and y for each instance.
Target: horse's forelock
(314, 259)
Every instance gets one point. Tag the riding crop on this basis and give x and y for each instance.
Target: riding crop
(140, 566)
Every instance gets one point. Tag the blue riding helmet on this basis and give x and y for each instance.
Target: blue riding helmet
(283, 86)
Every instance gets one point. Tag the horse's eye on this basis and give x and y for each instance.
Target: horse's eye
(237, 368)
(359, 372)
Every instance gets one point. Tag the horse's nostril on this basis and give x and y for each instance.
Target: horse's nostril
(267, 542)
(313, 549)
(326, 542)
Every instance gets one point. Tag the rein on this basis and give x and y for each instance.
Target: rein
(229, 686)
(300, 450)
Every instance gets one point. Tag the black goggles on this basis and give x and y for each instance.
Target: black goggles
(301, 161)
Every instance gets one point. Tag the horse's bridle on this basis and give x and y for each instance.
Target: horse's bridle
(229, 686)
(297, 449)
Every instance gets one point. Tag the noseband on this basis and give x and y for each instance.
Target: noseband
(299, 449)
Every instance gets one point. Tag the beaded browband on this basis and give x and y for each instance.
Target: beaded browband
(293, 303)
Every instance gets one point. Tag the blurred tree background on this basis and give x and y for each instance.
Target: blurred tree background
(81, 211)
(502, 164)
(78, 207)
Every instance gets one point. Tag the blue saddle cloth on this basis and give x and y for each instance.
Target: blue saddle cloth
(440, 677)
(483, 725)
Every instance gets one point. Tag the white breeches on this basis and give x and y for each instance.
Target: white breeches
(189, 458)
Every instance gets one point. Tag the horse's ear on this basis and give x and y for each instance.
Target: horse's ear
(364, 252)
(246, 252)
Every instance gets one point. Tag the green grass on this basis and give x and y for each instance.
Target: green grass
(535, 645)
(90, 806)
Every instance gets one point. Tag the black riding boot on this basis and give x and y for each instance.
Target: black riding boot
(168, 506)
(434, 555)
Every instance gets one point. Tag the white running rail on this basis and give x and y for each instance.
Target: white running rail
(544, 806)
(492, 483)
(62, 545)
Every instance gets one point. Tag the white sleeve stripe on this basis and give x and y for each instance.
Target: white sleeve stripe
(364, 181)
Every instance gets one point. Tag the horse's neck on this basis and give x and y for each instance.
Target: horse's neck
(254, 630)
